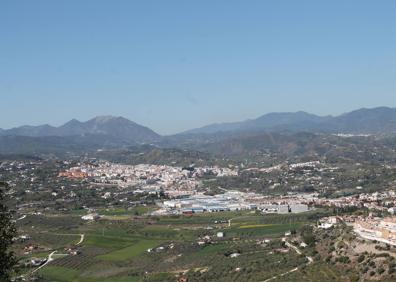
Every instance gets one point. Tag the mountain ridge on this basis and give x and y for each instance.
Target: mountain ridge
(101, 125)
(379, 120)
(370, 121)
(105, 132)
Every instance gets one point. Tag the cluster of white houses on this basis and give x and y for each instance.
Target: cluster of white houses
(173, 181)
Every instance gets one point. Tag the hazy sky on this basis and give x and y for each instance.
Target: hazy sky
(174, 65)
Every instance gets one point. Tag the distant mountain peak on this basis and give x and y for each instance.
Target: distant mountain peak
(116, 127)
(105, 118)
(72, 122)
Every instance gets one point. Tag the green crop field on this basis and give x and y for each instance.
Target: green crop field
(211, 249)
(110, 242)
(116, 250)
(57, 273)
(136, 249)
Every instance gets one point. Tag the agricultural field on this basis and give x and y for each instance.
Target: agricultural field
(147, 248)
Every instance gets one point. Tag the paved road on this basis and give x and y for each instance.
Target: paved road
(50, 256)
(81, 239)
(22, 217)
(82, 236)
(49, 259)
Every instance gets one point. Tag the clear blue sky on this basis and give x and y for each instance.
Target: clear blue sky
(175, 65)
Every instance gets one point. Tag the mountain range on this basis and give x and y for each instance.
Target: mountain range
(112, 132)
(119, 127)
(381, 120)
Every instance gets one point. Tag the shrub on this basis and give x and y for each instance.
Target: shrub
(361, 258)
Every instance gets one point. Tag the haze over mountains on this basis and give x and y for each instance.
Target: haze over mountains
(379, 120)
(119, 127)
(109, 131)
